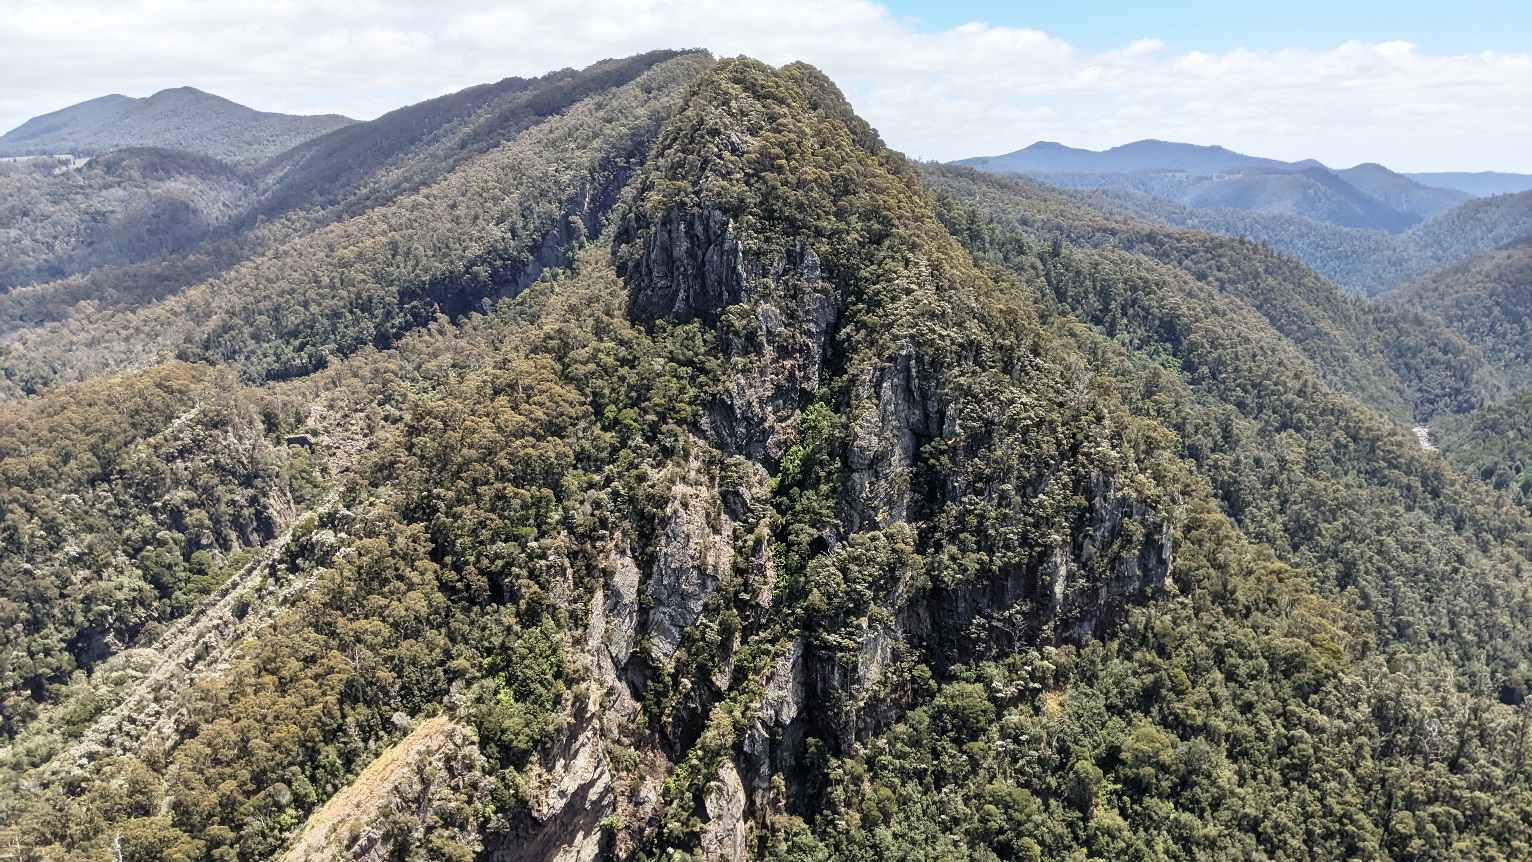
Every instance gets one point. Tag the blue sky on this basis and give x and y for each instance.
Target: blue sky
(1411, 85)
(1214, 26)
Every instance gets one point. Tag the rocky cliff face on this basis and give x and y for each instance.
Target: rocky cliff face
(773, 315)
(888, 476)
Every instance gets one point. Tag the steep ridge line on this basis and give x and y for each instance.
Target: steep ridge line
(335, 830)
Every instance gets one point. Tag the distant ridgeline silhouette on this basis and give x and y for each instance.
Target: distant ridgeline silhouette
(1364, 227)
(183, 118)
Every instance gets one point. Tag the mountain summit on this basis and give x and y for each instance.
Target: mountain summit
(183, 118)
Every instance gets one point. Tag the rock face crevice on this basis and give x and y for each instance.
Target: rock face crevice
(905, 409)
(774, 316)
(778, 348)
(690, 266)
(775, 735)
(724, 838)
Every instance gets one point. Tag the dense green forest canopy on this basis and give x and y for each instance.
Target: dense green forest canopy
(669, 469)
(1487, 299)
(1406, 366)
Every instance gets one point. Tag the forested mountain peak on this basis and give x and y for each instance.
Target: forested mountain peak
(647, 462)
(183, 118)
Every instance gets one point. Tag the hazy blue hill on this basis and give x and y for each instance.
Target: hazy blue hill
(1359, 259)
(1314, 193)
(1149, 155)
(1367, 196)
(1401, 192)
(1481, 183)
(184, 118)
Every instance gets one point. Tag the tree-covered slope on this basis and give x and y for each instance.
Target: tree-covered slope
(1401, 364)
(359, 168)
(1486, 298)
(1494, 442)
(482, 230)
(367, 165)
(119, 208)
(1311, 473)
(800, 511)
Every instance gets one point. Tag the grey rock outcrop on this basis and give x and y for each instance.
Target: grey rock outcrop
(690, 267)
(426, 768)
(724, 838)
(777, 357)
(774, 728)
(689, 561)
(621, 608)
(905, 411)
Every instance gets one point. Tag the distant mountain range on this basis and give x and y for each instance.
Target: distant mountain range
(1481, 183)
(1368, 196)
(1150, 155)
(184, 118)
(1162, 156)
(1364, 227)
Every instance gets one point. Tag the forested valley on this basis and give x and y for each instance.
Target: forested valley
(646, 462)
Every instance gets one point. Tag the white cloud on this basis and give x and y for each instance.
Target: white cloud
(972, 90)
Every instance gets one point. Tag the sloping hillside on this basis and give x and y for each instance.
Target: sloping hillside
(123, 207)
(1400, 364)
(1402, 192)
(483, 229)
(1487, 298)
(364, 167)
